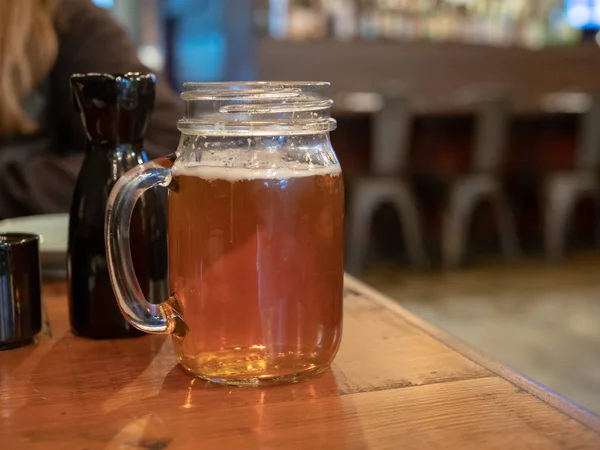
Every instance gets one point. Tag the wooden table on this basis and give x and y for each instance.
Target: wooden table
(396, 383)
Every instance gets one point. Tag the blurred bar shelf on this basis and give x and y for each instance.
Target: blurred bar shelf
(431, 73)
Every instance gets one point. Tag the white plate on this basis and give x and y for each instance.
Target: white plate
(53, 230)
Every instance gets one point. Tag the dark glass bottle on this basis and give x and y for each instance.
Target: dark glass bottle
(115, 110)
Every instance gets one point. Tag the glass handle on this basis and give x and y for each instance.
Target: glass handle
(158, 319)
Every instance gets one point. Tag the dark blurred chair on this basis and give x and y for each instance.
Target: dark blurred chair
(563, 190)
(483, 182)
(392, 128)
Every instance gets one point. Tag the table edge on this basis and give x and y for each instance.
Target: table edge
(543, 393)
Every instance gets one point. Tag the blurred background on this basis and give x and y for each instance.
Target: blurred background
(469, 135)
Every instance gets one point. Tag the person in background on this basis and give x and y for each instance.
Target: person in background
(43, 42)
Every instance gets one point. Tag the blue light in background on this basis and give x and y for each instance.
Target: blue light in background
(583, 14)
(105, 3)
(201, 43)
(201, 56)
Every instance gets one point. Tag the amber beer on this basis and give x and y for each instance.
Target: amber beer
(257, 269)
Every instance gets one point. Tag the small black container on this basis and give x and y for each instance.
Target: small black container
(115, 111)
(20, 295)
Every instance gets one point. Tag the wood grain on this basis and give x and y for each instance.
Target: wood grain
(396, 383)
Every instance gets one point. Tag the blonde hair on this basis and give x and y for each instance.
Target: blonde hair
(28, 50)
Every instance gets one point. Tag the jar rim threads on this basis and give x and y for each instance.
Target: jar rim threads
(257, 108)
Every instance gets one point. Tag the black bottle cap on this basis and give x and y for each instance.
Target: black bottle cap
(114, 108)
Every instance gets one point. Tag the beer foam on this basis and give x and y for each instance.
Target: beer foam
(234, 174)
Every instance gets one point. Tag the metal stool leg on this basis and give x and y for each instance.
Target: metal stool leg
(507, 227)
(456, 224)
(464, 196)
(363, 203)
(368, 195)
(563, 192)
(405, 204)
(558, 214)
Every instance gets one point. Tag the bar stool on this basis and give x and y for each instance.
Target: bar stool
(392, 126)
(564, 190)
(489, 145)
